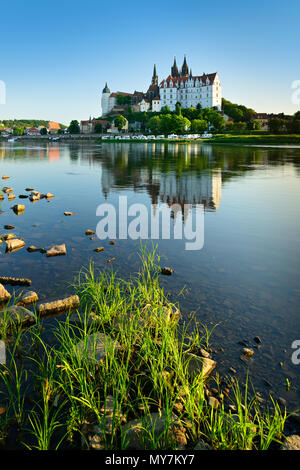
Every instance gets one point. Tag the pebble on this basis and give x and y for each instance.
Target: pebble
(90, 232)
(97, 250)
(257, 339)
(167, 271)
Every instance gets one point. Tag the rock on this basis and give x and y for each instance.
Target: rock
(213, 402)
(17, 315)
(247, 352)
(36, 196)
(69, 213)
(14, 281)
(6, 189)
(5, 177)
(1, 197)
(112, 242)
(33, 249)
(49, 195)
(232, 370)
(4, 294)
(9, 227)
(291, 443)
(110, 260)
(23, 196)
(89, 232)
(2, 353)
(57, 250)
(8, 236)
(204, 353)
(167, 271)
(96, 346)
(28, 298)
(18, 208)
(14, 245)
(101, 248)
(139, 432)
(11, 196)
(29, 189)
(59, 306)
(201, 445)
(108, 406)
(257, 339)
(199, 365)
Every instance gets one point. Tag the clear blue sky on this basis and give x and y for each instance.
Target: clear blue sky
(56, 57)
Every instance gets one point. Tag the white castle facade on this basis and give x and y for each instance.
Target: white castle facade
(179, 87)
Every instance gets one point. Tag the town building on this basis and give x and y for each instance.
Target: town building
(53, 127)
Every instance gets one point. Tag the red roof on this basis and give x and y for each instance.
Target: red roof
(53, 125)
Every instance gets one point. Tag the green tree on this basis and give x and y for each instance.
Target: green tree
(74, 127)
(198, 126)
(120, 122)
(276, 125)
(178, 109)
(43, 131)
(154, 124)
(165, 110)
(98, 128)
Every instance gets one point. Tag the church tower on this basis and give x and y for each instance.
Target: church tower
(174, 69)
(154, 77)
(105, 100)
(184, 68)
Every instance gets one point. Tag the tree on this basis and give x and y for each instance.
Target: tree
(254, 125)
(276, 125)
(154, 124)
(98, 128)
(74, 127)
(43, 131)
(165, 110)
(18, 131)
(123, 99)
(178, 109)
(198, 126)
(120, 122)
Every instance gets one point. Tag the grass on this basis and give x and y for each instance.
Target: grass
(76, 399)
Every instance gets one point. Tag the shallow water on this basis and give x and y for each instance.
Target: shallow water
(246, 277)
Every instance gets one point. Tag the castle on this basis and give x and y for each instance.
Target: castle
(179, 87)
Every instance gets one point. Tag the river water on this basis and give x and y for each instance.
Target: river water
(246, 276)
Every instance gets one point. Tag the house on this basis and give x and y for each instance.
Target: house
(31, 131)
(53, 127)
(114, 130)
(88, 127)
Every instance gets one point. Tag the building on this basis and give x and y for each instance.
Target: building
(88, 127)
(179, 87)
(190, 90)
(53, 127)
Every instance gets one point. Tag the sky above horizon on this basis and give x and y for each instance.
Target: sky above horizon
(56, 59)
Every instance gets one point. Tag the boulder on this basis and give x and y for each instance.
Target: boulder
(58, 306)
(14, 244)
(167, 271)
(247, 352)
(8, 236)
(6, 189)
(138, 432)
(28, 298)
(199, 365)
(11, 196)
(18, 208)
(57, 250)
(9, 227)
(48, 195)
(201, 445)
(90, 232)
(4, 294)
(291, 443)
(96, 346)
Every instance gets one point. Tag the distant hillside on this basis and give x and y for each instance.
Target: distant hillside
(25, 123)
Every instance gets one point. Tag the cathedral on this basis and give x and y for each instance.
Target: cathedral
(181, 86)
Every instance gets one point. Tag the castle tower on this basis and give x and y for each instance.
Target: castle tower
(154, 77)
(184, 68)
(105, 100)
(174, 69)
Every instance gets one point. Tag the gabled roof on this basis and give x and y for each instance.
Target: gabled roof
(53, 125)
(178, 80)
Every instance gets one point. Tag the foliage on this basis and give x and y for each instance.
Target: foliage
(74, 127)
(120, 122)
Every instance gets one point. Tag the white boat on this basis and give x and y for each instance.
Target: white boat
(12, 139)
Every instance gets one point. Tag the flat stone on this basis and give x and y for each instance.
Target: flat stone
(29, 189)
(291, 443)
(96, 346)
(15, 281)
(28, 298)
(23, 196)
(57, 250)
(11, 196)
(2, 353)
(8, 236)
(4, 294)
(100, 248)
(58, 306)
(33, 249)
(6, 189)
(69, 213)
(49, 195)
(199, 365)
(137, 432)
(14, 244)
(213, 402)
(5, 177)
(9, 227)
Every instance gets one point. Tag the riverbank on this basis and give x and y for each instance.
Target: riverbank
(125, 374)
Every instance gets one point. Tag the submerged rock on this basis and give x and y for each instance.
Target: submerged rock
(247, 352)
(201, 445)
(18, 208)
(57, 250)
(33, 249)
(4, 294)
(96, 346)
(6, 189)
(16, 315)
(9, 227)
(58, 306)
(11, 196)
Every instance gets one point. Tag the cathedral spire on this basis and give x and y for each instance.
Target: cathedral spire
(174, 69)
(154, 76)
(184, 68)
